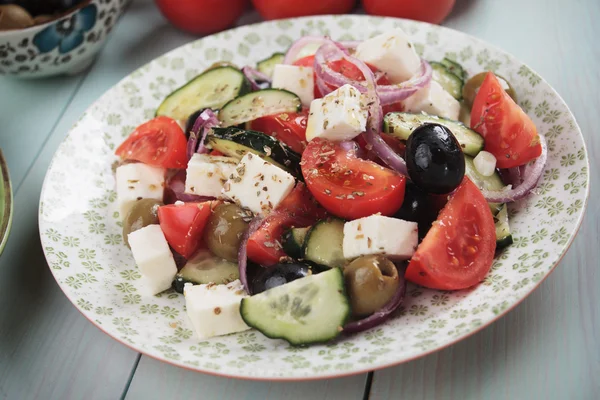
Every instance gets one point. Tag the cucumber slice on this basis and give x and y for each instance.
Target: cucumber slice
(211, 89)
(204, 268)
(455, 68)
(503, 236)
(235, 142)
(293, 242)
(450, 82)
(267, 65)
(260, 103)
(401, 125)
(492, 182)
(308, 310)
(324, 243)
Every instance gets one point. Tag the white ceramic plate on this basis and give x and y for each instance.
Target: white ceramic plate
(79, 222)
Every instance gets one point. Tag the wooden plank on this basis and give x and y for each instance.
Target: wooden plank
(155, 380)
(548, 346)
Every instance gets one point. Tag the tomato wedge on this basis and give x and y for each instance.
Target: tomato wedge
(348, 186)
(458, 250)
(184, 224)
(159, 142)
(510, 135)
(298, 209)
(290, 128)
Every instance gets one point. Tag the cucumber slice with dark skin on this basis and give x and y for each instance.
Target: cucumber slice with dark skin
(503, 236)
(401, 125)
(205, 268)
(324, 243)
(455, 68)
(211, 89)
(449, 81)
(235, 142)
(293, 242)
(309, 310)
(267, 65)
(492, 182)
(260, 103)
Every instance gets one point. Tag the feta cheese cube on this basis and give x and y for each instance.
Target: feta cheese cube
(258, 185)
(377, 234)
(136, 181)
(206, 175)
(153, 257)
(298, 80)
(433, 100)
(391, 52)
(337, 116)
(215, 309)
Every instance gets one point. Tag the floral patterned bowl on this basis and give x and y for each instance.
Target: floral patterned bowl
(81, 233)
(66, 45)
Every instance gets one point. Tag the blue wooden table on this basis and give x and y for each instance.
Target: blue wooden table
(547, 348)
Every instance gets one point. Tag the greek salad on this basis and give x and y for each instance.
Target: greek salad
(300, 196)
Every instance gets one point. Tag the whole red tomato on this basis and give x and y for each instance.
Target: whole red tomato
(202, 17)
(270, 9)
(433, 11)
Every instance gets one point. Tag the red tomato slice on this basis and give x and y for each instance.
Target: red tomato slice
(290, 128)
(298, 209)
(183, 225)
(351, 71)
(458, 250)
(348, 186)
(159, 142)
(510, 135)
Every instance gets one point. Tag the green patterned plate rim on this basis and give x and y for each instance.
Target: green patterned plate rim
(81, 234)
(6, 202)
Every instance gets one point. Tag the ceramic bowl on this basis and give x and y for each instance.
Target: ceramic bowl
(66, 45)
(6, 202)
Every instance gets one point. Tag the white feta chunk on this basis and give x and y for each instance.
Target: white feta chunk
(338, 116)
(153, 257)
(215, 309)
(433, 100)
(296, 79)
(377, 234)
(391, 52)
(136, 181)
(258, 185)
(206, 175)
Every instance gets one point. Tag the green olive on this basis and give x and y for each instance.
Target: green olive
(224, 230)
(472, 87)
(143, 213)
(371, 282)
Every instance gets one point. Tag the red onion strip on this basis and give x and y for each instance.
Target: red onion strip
(253, 76)
(243, 251)
(531, 175)
(206, 120)
(380, 316)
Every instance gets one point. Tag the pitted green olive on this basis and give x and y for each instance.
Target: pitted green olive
(371, 282)
(143, 213)
(224, 230)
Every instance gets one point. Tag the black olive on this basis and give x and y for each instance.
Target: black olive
(434, 159)
(278, 275)
(418, 207)
(178, 284)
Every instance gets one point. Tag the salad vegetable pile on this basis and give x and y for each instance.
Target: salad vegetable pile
(300, 196)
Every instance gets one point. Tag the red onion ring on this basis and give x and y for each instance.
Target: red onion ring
(205, 121)
(243, 251)
(380, 316)
(298, 45)
(253, 76)
(531, 175)
(388, 94)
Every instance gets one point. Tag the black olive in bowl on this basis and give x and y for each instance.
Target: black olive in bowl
(434, 159)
